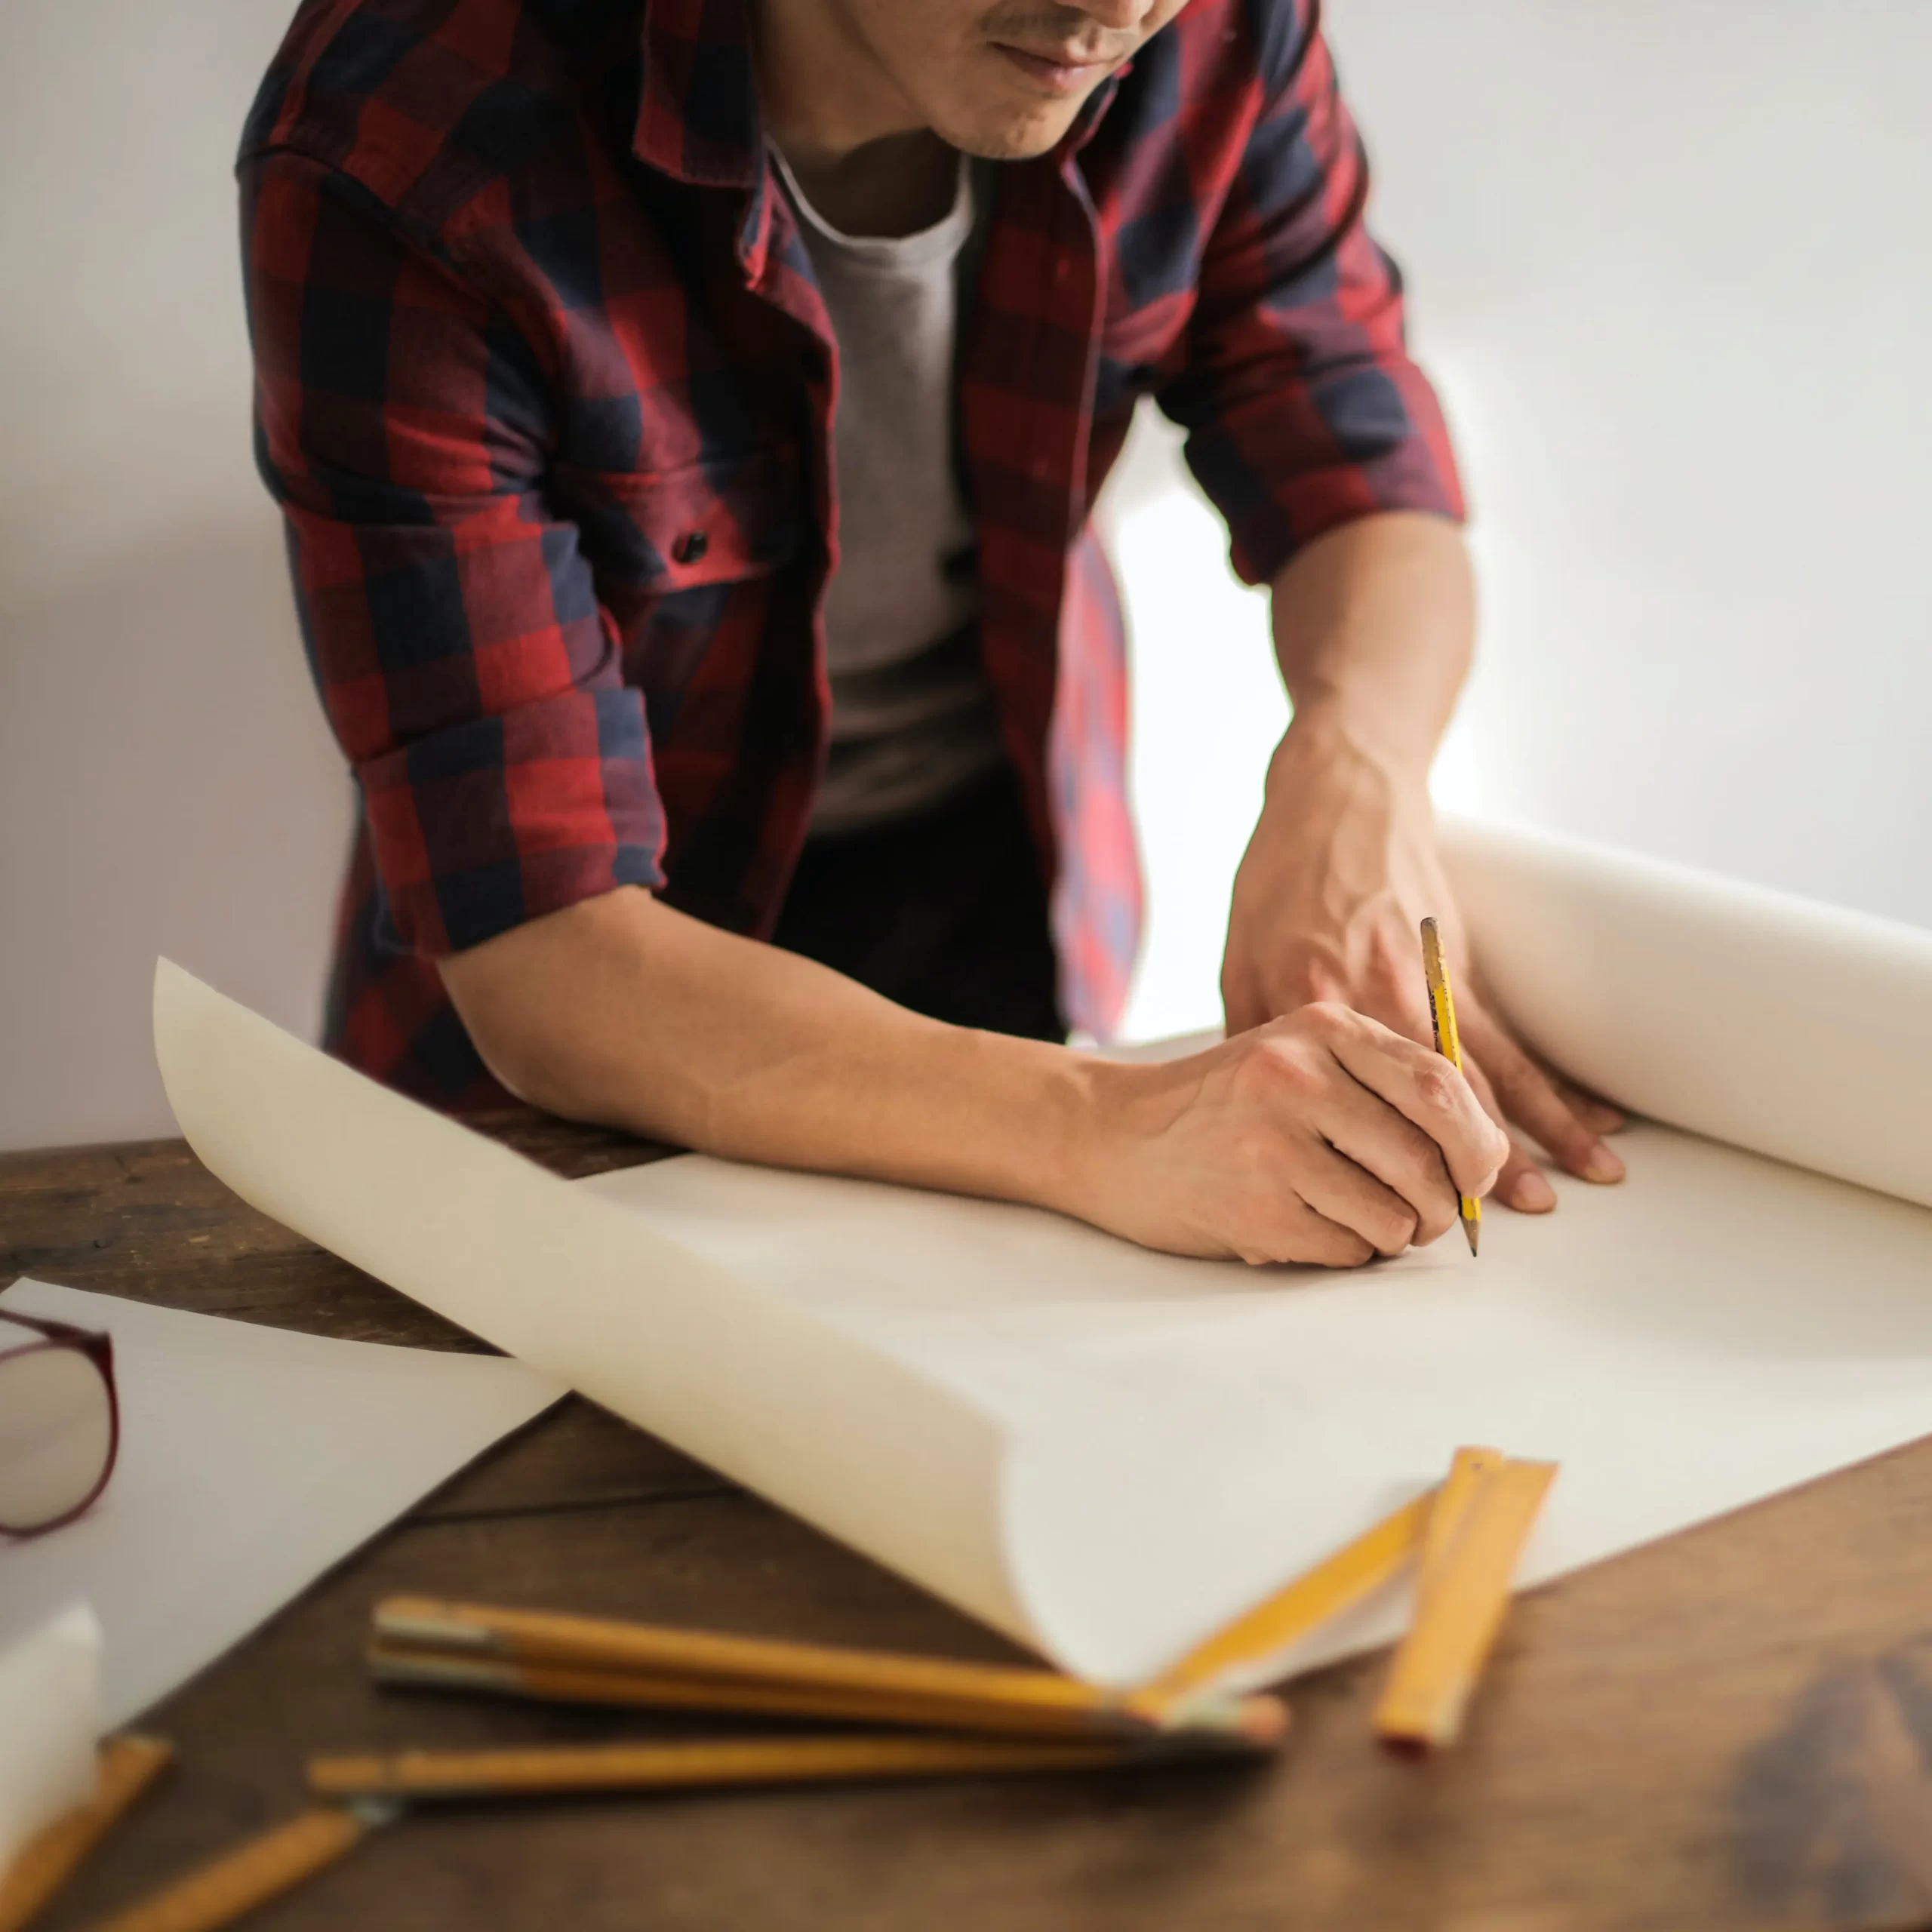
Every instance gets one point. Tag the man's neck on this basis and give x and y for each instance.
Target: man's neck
(898, 186)
(858, 147)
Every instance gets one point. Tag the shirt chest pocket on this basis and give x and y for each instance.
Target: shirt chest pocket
(715, 521)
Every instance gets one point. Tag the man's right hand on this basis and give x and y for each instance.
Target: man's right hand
(1321, 1138)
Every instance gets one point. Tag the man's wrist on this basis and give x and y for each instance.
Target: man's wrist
(1112, 1108)
(1333, 743)
(1037, 1112)
(1373, 625)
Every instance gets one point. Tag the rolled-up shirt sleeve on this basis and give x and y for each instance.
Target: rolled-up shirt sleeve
(1303, 408)
(452, 624)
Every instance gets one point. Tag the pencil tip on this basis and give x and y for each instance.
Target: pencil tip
(1472, 1229)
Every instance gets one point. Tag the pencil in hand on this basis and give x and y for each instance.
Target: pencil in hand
(1442, 1019)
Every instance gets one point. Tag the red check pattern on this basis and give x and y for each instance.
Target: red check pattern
(544, 388)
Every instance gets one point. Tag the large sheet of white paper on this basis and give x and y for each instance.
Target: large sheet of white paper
(1107, 1452)
(251, 1459)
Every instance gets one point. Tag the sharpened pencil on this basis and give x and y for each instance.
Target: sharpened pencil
(1442, 1021)
(1257, 1719)
(581, 1659)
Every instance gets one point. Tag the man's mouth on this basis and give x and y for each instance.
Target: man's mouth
(1062, 71)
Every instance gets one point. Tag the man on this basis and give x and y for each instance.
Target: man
(686, 414)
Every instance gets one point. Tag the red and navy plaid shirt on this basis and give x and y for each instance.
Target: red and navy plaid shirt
(544, 388)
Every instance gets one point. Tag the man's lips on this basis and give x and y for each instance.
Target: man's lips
(1057, 73)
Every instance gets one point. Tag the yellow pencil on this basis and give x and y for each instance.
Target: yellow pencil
(43, 1864)
(692, 1764)
(232, 1884)
(537, 1653)
(1460, 1605)
(1257, 1720)
(1442, 1018)
(1304, 1604)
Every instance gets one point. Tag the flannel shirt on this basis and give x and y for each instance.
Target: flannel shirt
(544, 389)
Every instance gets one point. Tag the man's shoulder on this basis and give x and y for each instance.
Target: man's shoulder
(425, 104)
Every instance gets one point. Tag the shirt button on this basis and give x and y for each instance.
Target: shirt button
(690, 548)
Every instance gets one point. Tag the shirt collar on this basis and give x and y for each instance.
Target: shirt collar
(697, 114)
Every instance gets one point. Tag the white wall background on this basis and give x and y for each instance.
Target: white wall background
(1671, 263)
(166, 782)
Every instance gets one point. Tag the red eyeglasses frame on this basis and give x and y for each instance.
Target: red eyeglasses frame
(98, 1347)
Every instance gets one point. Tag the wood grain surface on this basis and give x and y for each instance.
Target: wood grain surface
(1731, 1729)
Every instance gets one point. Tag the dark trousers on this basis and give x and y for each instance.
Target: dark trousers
(945, 913)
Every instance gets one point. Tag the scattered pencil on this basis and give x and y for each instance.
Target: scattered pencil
(1465, 1538)
(1450, 1511)
(263, 1867)
(579, 1660)
(1465, 1590)
(128, 1764)
(1258, 1639)
(550, 1771)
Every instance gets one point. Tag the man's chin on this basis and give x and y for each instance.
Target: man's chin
(1010, 135)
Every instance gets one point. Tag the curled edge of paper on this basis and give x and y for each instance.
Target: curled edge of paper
(572, 1285)
(1776, 1023)
(809, 1415)
(50, 1714)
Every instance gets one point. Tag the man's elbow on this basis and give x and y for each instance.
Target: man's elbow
(528, 999)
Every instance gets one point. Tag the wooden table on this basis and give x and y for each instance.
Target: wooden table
(1733, 1728)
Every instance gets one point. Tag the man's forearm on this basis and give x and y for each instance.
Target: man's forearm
(623, 1011)
(1374, 623)
(1321, 1139)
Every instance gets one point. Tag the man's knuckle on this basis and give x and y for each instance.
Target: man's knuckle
(1287, 1070)
(1432, 1223)
(1329, 1018)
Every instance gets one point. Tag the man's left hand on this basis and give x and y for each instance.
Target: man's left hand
(1328, 903)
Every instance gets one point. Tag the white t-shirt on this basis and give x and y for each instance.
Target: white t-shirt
(912, 715)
